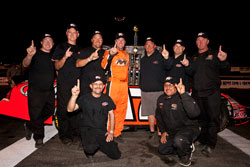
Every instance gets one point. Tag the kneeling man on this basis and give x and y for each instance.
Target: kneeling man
(176, 115)
(96, 107)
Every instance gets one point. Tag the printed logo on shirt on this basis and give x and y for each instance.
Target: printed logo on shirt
(121, 62)
(156, 62)
(173, 106)
(209, 57)
(104, 103)
(160, 105)
(178, 65)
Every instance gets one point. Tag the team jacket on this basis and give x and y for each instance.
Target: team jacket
(118, 64)
(175, 112)
(208, 68)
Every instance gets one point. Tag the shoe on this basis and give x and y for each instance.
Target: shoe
(90, 158)
(207, 151)
(151, 136)
(185, 160)
(125, 128)
(169, 159)
(39, 143)
(80, 147)
(28, 132)
(66, 141)
(192, 147)
(119, 139)
(199, 145)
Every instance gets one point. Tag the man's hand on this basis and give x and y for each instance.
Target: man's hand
(94, 55)
(109, 137)
(222, 55)
(180, 87)
(185, 61)
(68, 53)
(31, 50)
(164, 137)
(113, 51)
(165, 52)
(76, 89)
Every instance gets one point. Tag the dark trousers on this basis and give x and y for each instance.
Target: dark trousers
(180, 142)
(41, 106)
(67, 122)
(209, 118)
(94, 140)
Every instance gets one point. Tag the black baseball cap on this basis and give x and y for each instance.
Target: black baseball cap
(97, 78)
(46, 35)
(96, 32)
(179, 41)
(150, 39)
(172, 80)
(72, 25)
(119, 35)
(202, 34)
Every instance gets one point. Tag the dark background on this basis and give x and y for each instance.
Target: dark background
(225, 23)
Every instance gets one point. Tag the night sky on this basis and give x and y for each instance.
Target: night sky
(226, 25)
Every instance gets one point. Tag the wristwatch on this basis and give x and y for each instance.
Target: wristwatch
(111, 132)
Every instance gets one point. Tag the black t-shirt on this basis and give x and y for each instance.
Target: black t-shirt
(42, 71)
(153, 72)
(93, 68)
(95, 110)
(69, 73)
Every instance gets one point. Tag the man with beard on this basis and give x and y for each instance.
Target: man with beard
(176, 116)
(96, 107)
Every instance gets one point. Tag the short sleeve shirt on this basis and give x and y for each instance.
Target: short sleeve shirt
(69, 72)
(95, 110)
(42, 72)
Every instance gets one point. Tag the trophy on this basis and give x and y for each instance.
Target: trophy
(135, 59)
(135, 29)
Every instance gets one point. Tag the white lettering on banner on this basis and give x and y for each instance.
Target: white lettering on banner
(129, 114)
(240, 84)
(134, 93)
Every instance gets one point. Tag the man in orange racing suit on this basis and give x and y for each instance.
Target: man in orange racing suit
(116, 61)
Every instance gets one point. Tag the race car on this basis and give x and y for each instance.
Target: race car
(16, 105)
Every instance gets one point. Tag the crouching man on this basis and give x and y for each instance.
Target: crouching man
(96, 108)
(176, 118)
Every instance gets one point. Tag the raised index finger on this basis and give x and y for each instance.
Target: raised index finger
(180, 81)
(97, 50)
(164, 47)
(32, 43)
(185, 57)
(68, 49)
(78, 83)
(220, 48)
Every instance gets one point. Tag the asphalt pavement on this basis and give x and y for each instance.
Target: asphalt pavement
(137, 151)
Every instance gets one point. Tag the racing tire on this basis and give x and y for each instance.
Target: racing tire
(224, 116)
